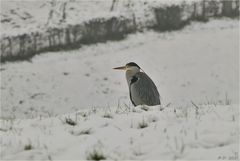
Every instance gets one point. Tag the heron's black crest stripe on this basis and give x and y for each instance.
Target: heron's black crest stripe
(132, 64)
(132, 99)
(133, 80)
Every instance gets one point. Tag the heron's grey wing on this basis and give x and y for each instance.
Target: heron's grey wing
(145, 90)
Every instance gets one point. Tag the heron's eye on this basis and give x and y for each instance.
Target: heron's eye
(129, 68)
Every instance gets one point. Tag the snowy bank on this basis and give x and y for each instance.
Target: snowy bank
(196, 132)
(23, 43)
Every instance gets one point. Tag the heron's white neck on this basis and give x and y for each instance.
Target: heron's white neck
(130, 73)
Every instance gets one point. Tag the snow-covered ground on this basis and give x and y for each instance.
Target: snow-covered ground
(123, 133)
(198, 63)
(196, 71)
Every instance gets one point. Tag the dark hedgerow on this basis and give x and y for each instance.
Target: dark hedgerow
(169, 18)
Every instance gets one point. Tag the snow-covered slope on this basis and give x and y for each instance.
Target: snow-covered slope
(24, 16)
(198, 63)
(123, 133)
(31, 15)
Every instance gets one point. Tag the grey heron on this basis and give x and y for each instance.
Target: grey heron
(142, 90)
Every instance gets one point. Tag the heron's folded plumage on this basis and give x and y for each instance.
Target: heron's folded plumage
(143, 90)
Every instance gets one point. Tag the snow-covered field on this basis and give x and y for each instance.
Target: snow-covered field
(124, 133)
(196, 71)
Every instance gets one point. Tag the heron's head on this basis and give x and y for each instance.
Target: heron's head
(131, 67)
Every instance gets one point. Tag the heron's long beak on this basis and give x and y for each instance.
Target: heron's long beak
(120, 68)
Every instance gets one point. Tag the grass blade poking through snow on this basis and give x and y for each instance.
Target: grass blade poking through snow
(96, 155)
